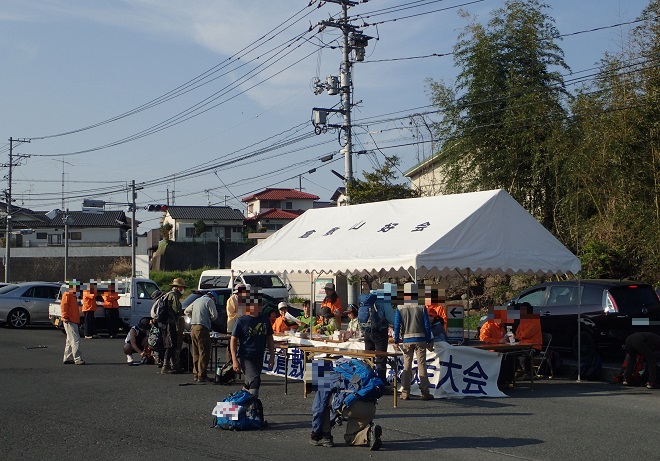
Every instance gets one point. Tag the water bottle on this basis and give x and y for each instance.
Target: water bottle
(509, 334)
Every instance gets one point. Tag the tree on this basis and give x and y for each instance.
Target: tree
(200, 228)
(504, 114)
(378, 185)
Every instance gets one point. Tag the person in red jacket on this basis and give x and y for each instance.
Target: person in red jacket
(111, 309)
(71, 319)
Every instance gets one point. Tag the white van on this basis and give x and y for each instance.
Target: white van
(269, 283)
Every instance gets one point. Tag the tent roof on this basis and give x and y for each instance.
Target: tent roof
(486, 232)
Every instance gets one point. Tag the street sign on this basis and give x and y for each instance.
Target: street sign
(454, 322)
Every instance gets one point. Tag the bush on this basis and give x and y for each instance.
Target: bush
(164, 278)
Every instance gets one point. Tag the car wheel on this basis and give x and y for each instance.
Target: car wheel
(587, 344)
(18, 318)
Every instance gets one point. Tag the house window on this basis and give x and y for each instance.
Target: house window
(250, 207)
(42, 236)
(55, 239)
(237, 230)
(288, 206)
(271, 203)
(75, 235)
(190, 232)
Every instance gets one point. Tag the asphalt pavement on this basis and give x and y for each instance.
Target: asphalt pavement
(108, 410)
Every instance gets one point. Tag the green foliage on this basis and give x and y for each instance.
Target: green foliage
(165, 230)
(378, 185)
(164, 278)
(588, 169)
(200, 228)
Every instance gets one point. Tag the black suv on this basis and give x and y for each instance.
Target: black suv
(609, 311)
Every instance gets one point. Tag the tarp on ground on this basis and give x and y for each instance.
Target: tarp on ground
(487, 232)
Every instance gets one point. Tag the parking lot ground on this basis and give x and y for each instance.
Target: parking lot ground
(109, 410)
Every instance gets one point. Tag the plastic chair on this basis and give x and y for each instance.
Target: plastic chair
(543, 356)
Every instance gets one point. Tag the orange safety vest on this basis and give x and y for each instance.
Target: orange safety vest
(69, 308)
(110, 299)
(88, 301)
(335, 307)
(491, 332)
(529, 332)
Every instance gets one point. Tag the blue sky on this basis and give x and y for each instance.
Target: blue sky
(71, 64)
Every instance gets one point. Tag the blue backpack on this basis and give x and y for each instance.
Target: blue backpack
(239, 411)
(359, 381)
(369, 316)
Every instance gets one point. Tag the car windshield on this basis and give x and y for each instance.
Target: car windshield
(7, 289)
(263, 280)
(214, 281)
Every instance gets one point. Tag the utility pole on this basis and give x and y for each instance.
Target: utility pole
(10, 165)
(133, 228)
(353, 40)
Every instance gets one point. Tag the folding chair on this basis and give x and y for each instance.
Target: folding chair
(543, 357)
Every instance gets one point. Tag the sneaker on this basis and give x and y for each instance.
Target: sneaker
(375, 431)
(427, 397)
(166, 370)
(405, 396)
(315, 439)
(79, 362)
(68, 362)
(652, 385)
(326, 441)
(129, 358)
(88, 337)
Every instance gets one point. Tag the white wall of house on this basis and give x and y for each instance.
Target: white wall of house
(184, 230)
(255, 207)
(77, 237)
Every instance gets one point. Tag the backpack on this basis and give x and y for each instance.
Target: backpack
(368, 314)
(225, 374)
(359, 381)
(239, 411)
(637, 378)
(154, 339)
(159, 310)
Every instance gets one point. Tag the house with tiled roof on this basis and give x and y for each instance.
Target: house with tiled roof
(32, 229)
(428, 175)
(271, 209)
(218, 222)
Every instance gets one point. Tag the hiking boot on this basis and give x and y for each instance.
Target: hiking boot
(79, 362)
(373, 436)
(315, 439)
(427, 397)
(652, 385)
(326, 441)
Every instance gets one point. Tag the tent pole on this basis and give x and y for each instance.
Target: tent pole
(579, 332)
(467, 308)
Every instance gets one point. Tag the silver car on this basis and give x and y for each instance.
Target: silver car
(26, 303)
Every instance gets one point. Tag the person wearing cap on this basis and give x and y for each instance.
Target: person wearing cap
(136, 340)
(169, 328)
(202, 312)
(282, 324)
(327, 322)
(353, 327)
(332, 302)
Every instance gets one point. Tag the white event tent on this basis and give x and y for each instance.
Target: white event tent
(479, 232)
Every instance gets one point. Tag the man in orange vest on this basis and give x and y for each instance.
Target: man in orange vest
(71, 319)
(111, 308)
(89, 309)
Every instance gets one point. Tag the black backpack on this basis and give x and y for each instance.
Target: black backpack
(159, 310)
(225, 374)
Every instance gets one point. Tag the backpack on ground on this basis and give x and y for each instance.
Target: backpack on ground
(369, 316)
(637, 378)
(239, 411)
(159, 309)
(225, 374)
(360, 381)
(154, 339)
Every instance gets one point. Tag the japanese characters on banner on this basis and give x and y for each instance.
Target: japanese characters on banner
(453, 371)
